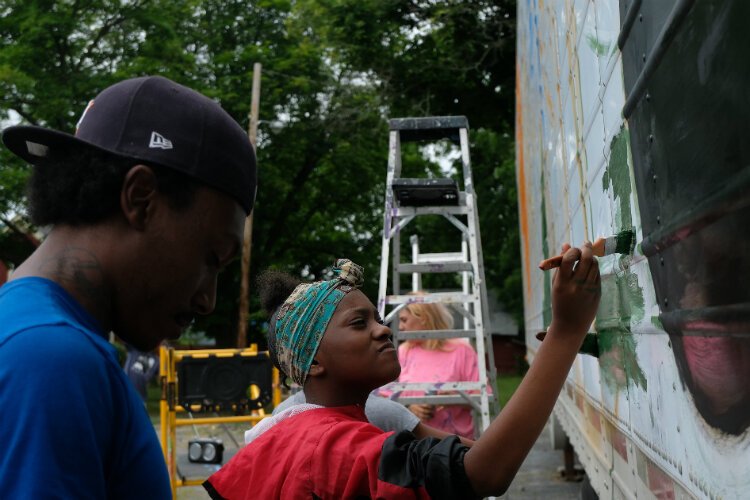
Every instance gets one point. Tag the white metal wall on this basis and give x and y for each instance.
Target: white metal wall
(632, 422)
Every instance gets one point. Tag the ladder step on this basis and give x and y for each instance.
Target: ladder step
(443, 297)
(437, 334)
(425, 192)
(434, 387)
(425, 258)
(456, 399)
(431, 128)
(436, 267)
(459, 209)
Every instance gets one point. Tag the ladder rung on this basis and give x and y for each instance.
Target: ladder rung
(424, 258)
(429, 128)
(436, 267)
(444, 297)
(428, 123)
(413, 211)
(446, 399)
(435, 386)
(437, 334)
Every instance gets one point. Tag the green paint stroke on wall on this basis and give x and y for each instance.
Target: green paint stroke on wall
(617, 176)
(657, 322)
(621, 306)
(600, 48)
(622, 301)
(622, 298)
(547, 305)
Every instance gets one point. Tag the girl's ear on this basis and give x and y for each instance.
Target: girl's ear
(316, 369)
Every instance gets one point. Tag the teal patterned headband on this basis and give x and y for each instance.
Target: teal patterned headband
(303, 318)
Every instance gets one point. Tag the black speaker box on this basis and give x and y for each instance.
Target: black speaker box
(239, 383)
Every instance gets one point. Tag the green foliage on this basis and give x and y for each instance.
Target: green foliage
(444, 57)
(55, 55)
(333, 70)
(13, 176)
(493, 161)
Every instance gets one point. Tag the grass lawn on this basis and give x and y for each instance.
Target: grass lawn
(506, 386)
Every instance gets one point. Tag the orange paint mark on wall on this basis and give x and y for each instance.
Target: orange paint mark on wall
(618, 442)
(594, 418)
(522, 201)
(579, 402)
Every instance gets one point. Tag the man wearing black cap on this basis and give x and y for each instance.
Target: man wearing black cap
(146, 204)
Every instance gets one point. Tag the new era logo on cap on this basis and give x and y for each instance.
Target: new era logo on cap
(159, 141)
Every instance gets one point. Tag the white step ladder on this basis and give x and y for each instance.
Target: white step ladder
(406, 199)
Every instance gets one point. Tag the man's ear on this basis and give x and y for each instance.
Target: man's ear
(138, 196)
(316, 369)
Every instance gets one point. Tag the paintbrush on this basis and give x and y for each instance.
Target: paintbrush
(622, 242)
(590, 344)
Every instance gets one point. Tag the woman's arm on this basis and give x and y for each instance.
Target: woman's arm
(423, 431)
(495, 458)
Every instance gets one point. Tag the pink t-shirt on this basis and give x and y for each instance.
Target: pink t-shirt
(455, 362)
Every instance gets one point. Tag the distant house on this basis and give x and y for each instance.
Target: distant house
(508, 346)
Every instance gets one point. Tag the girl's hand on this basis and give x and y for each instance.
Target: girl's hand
(423, 412)
(576, 289)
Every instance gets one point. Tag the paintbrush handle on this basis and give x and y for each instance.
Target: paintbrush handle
(590, 344)
(550, 263)
(553, 262)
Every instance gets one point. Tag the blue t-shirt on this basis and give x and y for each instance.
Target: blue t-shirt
(71, 425)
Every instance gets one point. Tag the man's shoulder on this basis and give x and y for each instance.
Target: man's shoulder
(50, 338)
(33, 302)
(36, 313)
(55, 353)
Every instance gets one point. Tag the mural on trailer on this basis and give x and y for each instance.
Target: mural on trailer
(631, 117)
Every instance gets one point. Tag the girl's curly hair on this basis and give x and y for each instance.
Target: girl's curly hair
(274, 287)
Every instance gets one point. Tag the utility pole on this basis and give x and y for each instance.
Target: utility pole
(252, 132)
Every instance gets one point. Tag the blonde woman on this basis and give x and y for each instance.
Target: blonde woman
(436, 360)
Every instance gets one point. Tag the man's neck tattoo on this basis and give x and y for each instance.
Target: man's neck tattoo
(79, 270)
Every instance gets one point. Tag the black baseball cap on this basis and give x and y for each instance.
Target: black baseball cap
(158, 122)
